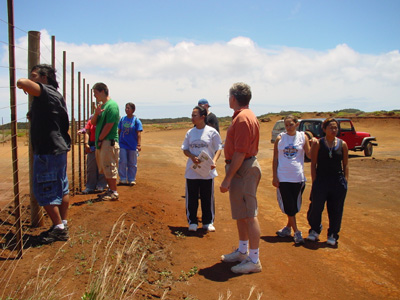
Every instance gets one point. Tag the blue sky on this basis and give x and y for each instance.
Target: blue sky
(165, 55)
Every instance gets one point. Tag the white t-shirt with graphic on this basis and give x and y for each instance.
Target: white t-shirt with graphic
(196, 140)
(291, 157)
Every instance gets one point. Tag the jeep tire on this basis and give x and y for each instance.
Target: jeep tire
(368, 149)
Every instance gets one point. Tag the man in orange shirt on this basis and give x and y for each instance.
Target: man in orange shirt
(243, 174)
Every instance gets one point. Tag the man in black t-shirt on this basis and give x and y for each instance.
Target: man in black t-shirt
(211, 119)
(50, 143)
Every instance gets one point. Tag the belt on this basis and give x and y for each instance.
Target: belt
(228, 161)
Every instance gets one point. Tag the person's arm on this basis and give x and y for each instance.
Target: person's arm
(236, 163)
(97, 112)
(314, 158)
(104, 132)
(86, 141)
(29, 86)
(215, 159)
(308, 145)
(139, 141)
(193, 157)
(307, 148)
(275, 180)
(345, 160)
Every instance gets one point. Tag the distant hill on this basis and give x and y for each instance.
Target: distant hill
(348, 113)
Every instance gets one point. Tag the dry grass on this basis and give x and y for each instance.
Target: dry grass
(117, 271)
(123, 267)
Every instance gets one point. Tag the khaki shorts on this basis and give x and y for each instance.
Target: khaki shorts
(243, 189)
(107, 159)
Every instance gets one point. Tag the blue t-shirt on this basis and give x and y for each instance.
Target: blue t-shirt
(129, 127)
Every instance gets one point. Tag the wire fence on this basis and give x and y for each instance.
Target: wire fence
(16, 203)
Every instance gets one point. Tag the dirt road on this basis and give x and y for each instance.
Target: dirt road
(365, 265)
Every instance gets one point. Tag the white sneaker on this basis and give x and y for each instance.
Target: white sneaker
(313, 236)
(87, 191)
(112, 196)
(331, 240)
(234, 256)
(247, 266)
(284, 232)
(193, 227)
(298, 238)
(209, 227)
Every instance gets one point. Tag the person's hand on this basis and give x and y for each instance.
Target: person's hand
(275, 182)
(19, 85)
(98, 109)
(313, 141)
(195, 160)
(138, 148)
(87, 149)
(99, 144)
(225, 185)
(213, 166)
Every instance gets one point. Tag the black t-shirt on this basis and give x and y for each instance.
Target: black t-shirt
(49, 122)
(211, 120)
(330, 165)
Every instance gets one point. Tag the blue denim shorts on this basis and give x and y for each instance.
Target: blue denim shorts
(50, 181)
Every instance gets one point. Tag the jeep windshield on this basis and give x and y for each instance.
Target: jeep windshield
(314, 126)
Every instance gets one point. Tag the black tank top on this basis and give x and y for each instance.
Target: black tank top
(330, 164)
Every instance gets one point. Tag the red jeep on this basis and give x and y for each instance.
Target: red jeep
(356, 141)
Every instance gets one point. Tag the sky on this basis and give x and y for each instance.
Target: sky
(166, 55)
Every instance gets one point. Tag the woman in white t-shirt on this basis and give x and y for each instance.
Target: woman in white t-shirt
(288, 174)
(201, 138)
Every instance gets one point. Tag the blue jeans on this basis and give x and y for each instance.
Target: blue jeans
(50, 181)
(94, 179)
(127, 164)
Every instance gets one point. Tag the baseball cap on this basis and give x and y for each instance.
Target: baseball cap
(204, 101)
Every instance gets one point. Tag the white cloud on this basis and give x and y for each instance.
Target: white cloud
(166, 80)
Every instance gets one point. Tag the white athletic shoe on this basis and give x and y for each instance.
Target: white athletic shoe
(209, 227)
(313, 236)
(247, 266)
(234, 256)
(193, 227)
(331, 240)
(298, 238)
(284, 232)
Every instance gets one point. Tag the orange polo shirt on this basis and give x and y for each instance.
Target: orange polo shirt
(243, 134)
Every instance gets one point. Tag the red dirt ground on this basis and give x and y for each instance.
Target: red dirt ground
(365, 265)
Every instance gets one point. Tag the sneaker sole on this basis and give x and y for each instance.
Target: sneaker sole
(54, 240)
(312, 240)
(110, 199)
(283, 235)
(245, 272)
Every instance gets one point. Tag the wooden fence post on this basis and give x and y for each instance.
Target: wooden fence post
(33, 59)
(14, 144)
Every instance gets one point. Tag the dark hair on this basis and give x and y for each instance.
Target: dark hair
(327, 121)
(101, 87)
(49, 72)
(202, 110)
(242, 93)
(294, 118)
(133, 107)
